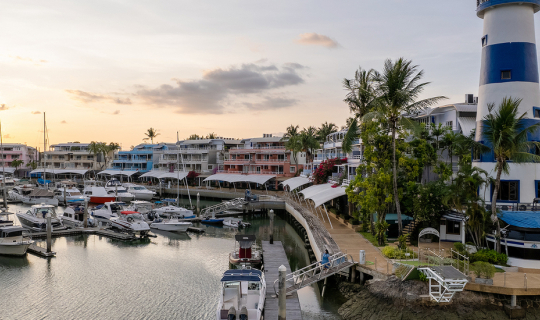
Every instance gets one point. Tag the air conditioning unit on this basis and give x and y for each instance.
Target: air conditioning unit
(469, 98)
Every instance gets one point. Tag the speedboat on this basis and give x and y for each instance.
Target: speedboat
(143, 207)
(130, 221)
(139, 192)
(104, 213)
(172, 224)
(242, 295)
(244, 253)
(169, 210)
(114, 186)
(35, 219)
(73, 217)
(209, 220)
(4, 218)
(71, 193)
(13, 242)
(18, 192)
(235, 223)
(98, 195)
(40, 196)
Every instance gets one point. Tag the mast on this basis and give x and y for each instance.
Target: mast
(187, 186)
(44, 148)
(3, 169)
(178, 178)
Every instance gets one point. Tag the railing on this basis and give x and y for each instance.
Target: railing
(257, 148)
(218, 208)
(271, 160)
(534, 206)
(251, 172)
(238, 160)
(460, 262)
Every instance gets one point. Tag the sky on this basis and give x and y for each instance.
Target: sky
(109, 70)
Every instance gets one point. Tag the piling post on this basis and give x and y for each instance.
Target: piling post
(272, 227)
(513, 300)
(282, 298)
(324, 287)
(116, 192)
(65, 197)
(85, 214)
(49, 232)
(362, 258)
(198, 206)
(4, 194)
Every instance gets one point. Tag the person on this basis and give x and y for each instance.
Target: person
(326, 260)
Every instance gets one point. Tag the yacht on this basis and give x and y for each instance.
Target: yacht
(104, 213)
(19, 192)
(4, 218)
(73, 217)
(139, 192)
(98, 195)
(71, 192)
(143, 207)
(170, 210)
(35, 218)
(245, 253)
(115, 187)
(172, 224)
(40, 196)
(130, 221)
(242, 295)
(13, 242)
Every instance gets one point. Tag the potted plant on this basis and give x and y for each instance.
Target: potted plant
(484, 272)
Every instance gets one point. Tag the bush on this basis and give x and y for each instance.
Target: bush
(402, 239)
(422, 277)
(459, 247)
(490, 256)
(355, 222)
(483, 269)
(395, 253)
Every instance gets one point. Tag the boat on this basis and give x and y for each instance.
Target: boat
(130, 221)
(140, 206)
(244, 253)
(35, 218)
(4, 218)
(104, 213)
(40, 196)
(172, 224)
(242, 295)
(98, 195)
(235, 223)
(139, 192)
(212, 221)
(170, 210)
(16, 194)
(115, 187)
(73, 217)
(71, 192)
(13, 241)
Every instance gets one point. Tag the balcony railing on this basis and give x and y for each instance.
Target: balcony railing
(252, 172)
(271, 160)
(257, 148)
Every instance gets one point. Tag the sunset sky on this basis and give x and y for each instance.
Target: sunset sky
(109, 70)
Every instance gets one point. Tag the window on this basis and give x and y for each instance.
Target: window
(484, 40)
(61, 157)
(508, 191)
(281, 157)
(293, 169)
(506, 74)
(78, 158)
(266, 157)
(536, 112)
(15, 156)
(90, 157)
(537, 182)
(452, 227)
(450, 124)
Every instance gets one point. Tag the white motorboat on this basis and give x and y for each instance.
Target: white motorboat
(172, 224)
(235, 223)
(35, 219)
(169, 211)
(104, 213)
(242, 295)
(4, 218)
(73, 217)
(71, 193)
(115, 187)
(139, 192)
(130, 221)
(143, 207)
(13, 242)
(40, 196)
(17, 193)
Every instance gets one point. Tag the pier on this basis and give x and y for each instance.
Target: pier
(39, 251)
(273, 257)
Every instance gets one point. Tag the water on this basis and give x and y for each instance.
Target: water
(173, 276)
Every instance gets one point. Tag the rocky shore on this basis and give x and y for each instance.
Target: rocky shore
(394, 299)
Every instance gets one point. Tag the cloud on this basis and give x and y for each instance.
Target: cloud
(36, 112)
(88, 97)
(26, 59)
(63, 122)
(316, 39)
(210, 94)
(271, 103)
(3, 107)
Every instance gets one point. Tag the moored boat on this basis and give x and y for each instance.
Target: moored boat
(13, 242)
(245, 253)
(130, 221)
(73, 217)
(40, 196)
(35, 218)
(98, 195)
(242, 295)
(139, 192)
(105, 212)
(172, 224)
(4, 218)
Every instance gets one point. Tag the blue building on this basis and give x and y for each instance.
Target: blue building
(140, 159)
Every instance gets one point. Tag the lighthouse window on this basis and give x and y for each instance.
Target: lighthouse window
(506, 75)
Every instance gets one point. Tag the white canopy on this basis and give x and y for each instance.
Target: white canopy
(7, 170)
(254, 178)
(308, 192)
(165, 174)
(118, 172)
(60, 171)
(296, 182)
(322, 193)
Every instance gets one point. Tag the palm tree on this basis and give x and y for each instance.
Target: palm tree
(399, 88)
(32, 165)
(308, 141)
(107, 149)
(16, 164)
(292, 131)
(193, 137)
(96, 148)
(326, 129)
(151, 134)
(438, 131)
(294, 145)
(211, 136)
(506, 133)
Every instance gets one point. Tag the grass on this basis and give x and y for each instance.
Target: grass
(411, 263)
(371, 238)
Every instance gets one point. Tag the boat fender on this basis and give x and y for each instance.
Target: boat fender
(243, 314)
(232, 314)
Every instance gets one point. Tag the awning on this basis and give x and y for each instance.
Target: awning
(521, 219)
(468, 124)
(254, 178)
(7, 170)
(118, 172)
(454, 216)
(322, 193)
(308, 192)
(60, 171)
(165, 174)
(294, 183)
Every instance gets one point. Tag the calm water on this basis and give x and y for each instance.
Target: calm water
(173, 276)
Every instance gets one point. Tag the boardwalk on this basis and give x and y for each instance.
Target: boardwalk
(274, 256)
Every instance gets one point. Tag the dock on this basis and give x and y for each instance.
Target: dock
(273, 257)
(79, 231)
(195, 230)
(39, 251)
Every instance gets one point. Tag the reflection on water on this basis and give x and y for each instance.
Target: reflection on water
(171, 276)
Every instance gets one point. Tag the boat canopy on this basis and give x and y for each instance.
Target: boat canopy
(8, 170)
(521, 219)
(118, 172)
(296, 182)
(242, 275)
(160, 174)
(254, 178)
(321, 194)
(245, 240)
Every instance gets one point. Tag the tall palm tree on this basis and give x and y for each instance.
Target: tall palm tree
(506, 133)
(309, 142)
(294, 145)
(16, 164)
(325, 129)
(211, 136)
(96, 148)
(399, 88)
(292, 131)
(151, 134)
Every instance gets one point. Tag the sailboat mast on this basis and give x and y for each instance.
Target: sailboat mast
(44, 148)
(3, 168)
(178, 178)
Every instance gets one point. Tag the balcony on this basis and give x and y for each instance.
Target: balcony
(271, 160)
(256, 148)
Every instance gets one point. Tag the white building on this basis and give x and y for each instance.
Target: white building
(72, 155)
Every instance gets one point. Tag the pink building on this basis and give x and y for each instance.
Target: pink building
(17, 151)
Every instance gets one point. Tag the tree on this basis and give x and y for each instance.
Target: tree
(294, 145)
(96, 148)
(32, 165)
(211, 136)
(292, 131)
(108, 149)
(308, 141)
(16, 164)
(193, 137)
(325, 129)
(398, 89)
(151, 134)
(506, 133)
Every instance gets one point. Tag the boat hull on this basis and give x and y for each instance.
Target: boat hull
(143, 196)
(173, 226)
(33, 201)
(17, 249)
(213, 221)
(101, 200)
(36, 224)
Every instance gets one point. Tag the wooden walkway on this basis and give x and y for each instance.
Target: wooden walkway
(273, 257)
(39, 251)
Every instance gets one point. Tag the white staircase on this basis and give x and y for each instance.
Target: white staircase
(220, 207)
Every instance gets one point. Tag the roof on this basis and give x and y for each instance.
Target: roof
(266, 139)
(255, 178)
(296, 182)
(200, 141)
(242, 275)
(60, 171)
(454, 216)
(160, 174)
(460, 107)
(323, 193)
(8, 170)
(244, 237)
(468, 124)
(118, 172)
(41, 193)
(521, 219)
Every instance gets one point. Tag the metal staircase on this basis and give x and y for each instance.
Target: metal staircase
(220, 207)
(316, 272)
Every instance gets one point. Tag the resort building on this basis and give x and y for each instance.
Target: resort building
(18, 151)
(266, 155)
(72, 155)
(141, 158)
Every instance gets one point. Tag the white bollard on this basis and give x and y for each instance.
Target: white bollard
(271, 214)
(362, 259)
(282, 299)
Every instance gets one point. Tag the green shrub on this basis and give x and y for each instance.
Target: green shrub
(483, 269)
(389, 252)
(423, 277)
(459, 247)
(490, 256)
(395, 253)
(402, 239)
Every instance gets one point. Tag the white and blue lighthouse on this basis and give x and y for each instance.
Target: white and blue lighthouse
(510, 69)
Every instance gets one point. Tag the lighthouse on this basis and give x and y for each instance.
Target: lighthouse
(509, 68)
